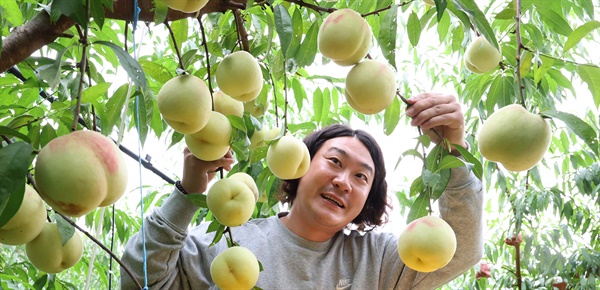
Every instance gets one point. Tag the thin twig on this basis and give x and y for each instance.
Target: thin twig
(518, 56)
(82, 70)
(175, 45)
(205, 45)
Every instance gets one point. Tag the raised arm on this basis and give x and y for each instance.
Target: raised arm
(461, 205)
(167, 227)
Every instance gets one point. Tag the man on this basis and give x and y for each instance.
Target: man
(307, 248)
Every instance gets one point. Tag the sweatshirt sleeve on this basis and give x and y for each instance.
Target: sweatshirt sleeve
(461, 207)
(165, 230)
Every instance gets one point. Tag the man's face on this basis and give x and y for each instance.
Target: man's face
(337, 184)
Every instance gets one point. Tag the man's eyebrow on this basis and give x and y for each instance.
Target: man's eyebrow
(343, 152)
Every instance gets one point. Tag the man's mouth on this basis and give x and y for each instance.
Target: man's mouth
(332, 200)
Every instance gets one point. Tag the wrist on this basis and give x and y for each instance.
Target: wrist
(180, 187)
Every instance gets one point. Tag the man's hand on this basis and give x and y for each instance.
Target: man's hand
(440, 112)
(198, 173)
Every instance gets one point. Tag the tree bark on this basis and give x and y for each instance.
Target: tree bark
(24, 40)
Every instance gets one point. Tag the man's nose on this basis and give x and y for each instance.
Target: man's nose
(342, 181)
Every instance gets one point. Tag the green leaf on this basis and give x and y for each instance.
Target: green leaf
(65, 229)
(443, 26)
(430, 179)
(449, 162)
(579, 33)
(11, 12)
(500, 93)
(283, 26)
(478, 18)
(413, 28)
(590, 74)
(477, 166)
(325, 110)
(73, 9)
(560, 79)
(114, 108)
(308, 50)
(51, 72)
(507, 13)
(462, 16)
(526, 62)
(47, 135)
(198, 200)
(237, 122)
(391, 117)
(7, 131)
(218, 228)
(440, 7)
(539, 72)
(442, 184)
(318, 105)
(97, 12)
(582, 129)
(554, 20)
(92, 93)
(412, 152)
(160, 11)
(588, 7)
(41, 282)
(299, 93)
(131, 66)
(15, 159)
(180, 33)
(388, 32)
(298, 31)
(156, 71)
(419, 208)
(144, 109)
(417, 186)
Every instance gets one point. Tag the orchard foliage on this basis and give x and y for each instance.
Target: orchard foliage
(68, 66)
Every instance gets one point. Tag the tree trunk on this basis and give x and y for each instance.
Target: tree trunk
(40, 31)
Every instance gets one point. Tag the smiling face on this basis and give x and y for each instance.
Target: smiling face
(334, 190)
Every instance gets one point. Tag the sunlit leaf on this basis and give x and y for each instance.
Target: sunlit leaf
(419, 208)
(579, 33)
(591, 76)
(387, 34)
(11, 12)
(413, 29)
(283, 25)
(582, 129)
(131, 66)
(15, 159)
(555, 21)
(478, 18)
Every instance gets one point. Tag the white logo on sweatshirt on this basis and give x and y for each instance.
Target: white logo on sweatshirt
(343, 284)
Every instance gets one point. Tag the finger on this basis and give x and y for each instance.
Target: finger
(224, 162)
(451, 121)
(425, 101)
(452, 110)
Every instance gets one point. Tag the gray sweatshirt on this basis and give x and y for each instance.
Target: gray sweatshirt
(180, 259)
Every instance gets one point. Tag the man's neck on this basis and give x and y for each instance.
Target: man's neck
(305, 230)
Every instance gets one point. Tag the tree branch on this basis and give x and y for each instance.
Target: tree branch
(28, 38)
(24, 40)
(312, 6)
(241, 29)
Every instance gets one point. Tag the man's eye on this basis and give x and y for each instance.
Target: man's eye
(362, 176)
